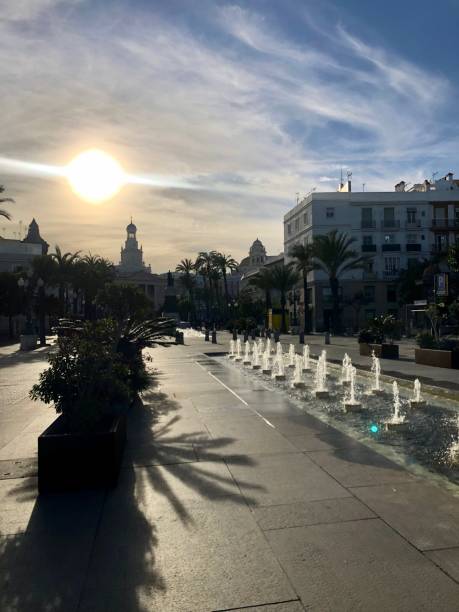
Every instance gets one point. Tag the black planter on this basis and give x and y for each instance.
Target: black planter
(68, 461)
(383, 351)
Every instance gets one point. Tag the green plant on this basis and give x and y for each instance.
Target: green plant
(425, 340)
(366, 336)
(384, 326)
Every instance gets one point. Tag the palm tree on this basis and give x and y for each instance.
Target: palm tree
(4, 213)
(204, 266)
(334, 255)
(223, 263)
(284, 279)
(303, 254)
(64, 268)
(263, 280)
(92, 274)
(186, 267)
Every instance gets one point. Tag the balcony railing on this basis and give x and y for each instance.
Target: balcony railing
(413, 224)
(445, 223)
(391, 273)
(367, 224)
(413, 247)
(368, 248)
(390, 224)
(390, 247)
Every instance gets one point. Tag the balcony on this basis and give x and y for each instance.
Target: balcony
(416, 224)
(390, 274)
(445, 224)
(368, 248)
(367, 224)
(413, 247)
(390, 248)
(390, 224)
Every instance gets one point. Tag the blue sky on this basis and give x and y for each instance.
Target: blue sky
(251, 101)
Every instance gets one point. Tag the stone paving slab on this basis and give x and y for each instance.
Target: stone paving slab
(151, 453)
(359, 467)
(422, 513)
(311, 513)
(447, 560)
(289, 606)
(286, 478)
(360, 565)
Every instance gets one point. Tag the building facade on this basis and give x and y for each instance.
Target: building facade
(17, 255)
(395, 228)
(133, 271)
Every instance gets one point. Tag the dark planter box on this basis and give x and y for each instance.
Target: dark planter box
(70, 461)
(437, 358)
(383, 351)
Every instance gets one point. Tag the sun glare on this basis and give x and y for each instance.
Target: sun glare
(95, 176)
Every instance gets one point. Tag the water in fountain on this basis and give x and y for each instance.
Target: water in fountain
(453, 451)
(279, 350)
(376, 371)
(268, 346)
(298, 380)
(416, 401)
(346, 370)
(350, 403)
(323, 354)
(238, 350)
(256, 365)
(291, 356)
(266, 362)
(320, 379)
(397, 419)
(232, 354)
(247, 360)
(278, 366)
(306, 366)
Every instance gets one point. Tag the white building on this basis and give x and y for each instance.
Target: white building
(17, 255)
(397, 228)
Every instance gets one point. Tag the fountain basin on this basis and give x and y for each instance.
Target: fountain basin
(238, 359)
(231, 357)
(403, 425)
(322, 394)
(416, 404)
(376, 392)
(353, 407)
(256, 367)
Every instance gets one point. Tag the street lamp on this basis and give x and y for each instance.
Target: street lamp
(41, 311)
(23, 283)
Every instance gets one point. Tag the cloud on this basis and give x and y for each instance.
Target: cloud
(234, 107)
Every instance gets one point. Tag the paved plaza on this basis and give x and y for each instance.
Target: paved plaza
(230, 498)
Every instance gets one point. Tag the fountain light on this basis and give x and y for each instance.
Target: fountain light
(416, 401)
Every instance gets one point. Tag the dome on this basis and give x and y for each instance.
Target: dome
(257, 243)
(131, 228)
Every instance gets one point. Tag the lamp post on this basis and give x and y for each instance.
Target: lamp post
(24, 283)
(41, 311)
(294, 298)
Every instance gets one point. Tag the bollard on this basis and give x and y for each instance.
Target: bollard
(214, 337)
(246, 335)
(263, 332)
(276, 336)
(301, 337)
(234, 334)
(206, 337)
(253, 334)
(182, 338)
(327, 337)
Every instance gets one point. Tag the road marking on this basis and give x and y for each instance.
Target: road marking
(265, 420)
(230, 390)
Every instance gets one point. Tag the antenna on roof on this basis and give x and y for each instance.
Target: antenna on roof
(349, 175)
(363, 186)
(434, 174)
(297, 197)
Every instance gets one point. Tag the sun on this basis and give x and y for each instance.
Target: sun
(95, 176)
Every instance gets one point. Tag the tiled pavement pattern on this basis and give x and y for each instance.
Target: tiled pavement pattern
(230, 499)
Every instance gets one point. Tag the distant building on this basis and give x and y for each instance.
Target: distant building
(17, 255)
(133, 271)
(250, 265)
(396, 228)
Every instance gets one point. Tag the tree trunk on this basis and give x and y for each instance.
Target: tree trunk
(306, 303)
(336, 322)
(284, 322)
(268, 306)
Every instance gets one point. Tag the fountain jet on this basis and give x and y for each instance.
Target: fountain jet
(397, 420)
(298, 380)
(416, 401)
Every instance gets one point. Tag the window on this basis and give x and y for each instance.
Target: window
(367, 240)
(369, 293)
(389, 238)
(391, 264)
(411, 238)
(330, 213)
(289, 229)
(369, 266)
(306, 218)
(367, 217)
(297, 224)
(411, 215)
(391, 293)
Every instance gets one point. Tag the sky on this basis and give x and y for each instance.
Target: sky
(249, 102)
